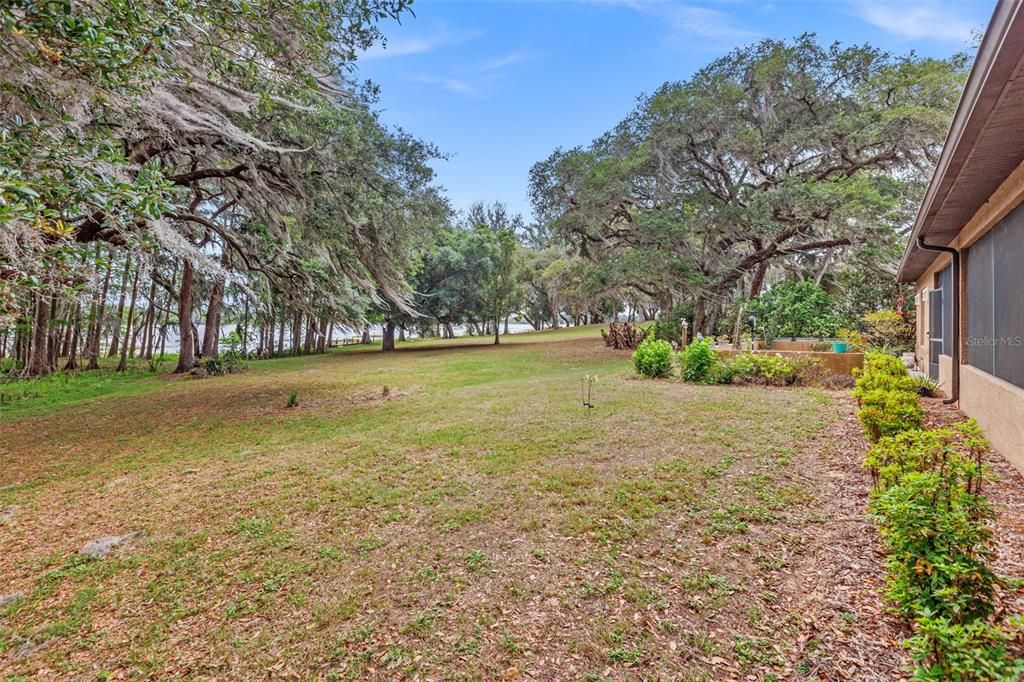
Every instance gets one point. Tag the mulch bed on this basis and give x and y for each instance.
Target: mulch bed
(847, 628)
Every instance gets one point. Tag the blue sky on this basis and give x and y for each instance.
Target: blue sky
(499, 84)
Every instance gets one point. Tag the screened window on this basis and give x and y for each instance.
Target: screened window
(995, 300)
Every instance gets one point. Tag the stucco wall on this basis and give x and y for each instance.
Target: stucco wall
(999, 408)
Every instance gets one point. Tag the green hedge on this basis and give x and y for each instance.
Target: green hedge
(934, 522)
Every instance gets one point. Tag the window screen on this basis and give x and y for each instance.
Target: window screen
(995, 300)
(945, 283)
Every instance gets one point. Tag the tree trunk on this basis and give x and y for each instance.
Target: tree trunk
(244, 332)
(186, 354)
(211, 330)
(37, 361)
(388, 342)
(366, 336)
(115, 341)
(497, 330)
(311, 328)
(149, 322)
(127, 341)
(321, 339)
(72, 363)
(297, 334)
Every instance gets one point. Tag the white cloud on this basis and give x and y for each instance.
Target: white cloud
(456, 85)
(916, 20)
(501, 62)
(706, 23)
(405, 45)
(686, 20)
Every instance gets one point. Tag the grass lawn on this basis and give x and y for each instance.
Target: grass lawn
(448, 511)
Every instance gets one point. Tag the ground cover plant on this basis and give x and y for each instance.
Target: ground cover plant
(470, 520)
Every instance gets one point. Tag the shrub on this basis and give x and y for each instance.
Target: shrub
(884, 363)
(925, 386)
(852, 337)
(882, 372)
(809, 371)
(775, 369)
(963, 651)
(653, 357)
(958, 448)
(622, 335)
(795, 309)
(722, 372)
(886, 413)
(938, 545)
(745, 365)
(229, 361)
(697, 360)
(889, 329)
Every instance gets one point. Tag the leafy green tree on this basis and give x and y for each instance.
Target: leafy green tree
(795, 309)
(777, 150)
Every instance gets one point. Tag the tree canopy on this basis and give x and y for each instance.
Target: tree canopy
(776, 151)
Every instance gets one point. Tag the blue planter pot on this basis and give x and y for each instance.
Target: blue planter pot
(839, 347)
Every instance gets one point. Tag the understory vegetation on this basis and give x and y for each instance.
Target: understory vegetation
(935, 523)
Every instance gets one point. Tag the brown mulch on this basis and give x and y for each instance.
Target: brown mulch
(847, 632)
(1006, 493)
(842, 580)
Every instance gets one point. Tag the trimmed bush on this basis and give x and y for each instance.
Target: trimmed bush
(772, 369)
(938, 546)
(775, 369)
(961, 445)
(963, 651)
(934, 523)
(722, 372)
(886, 413)
(697, 361)
(653, 357)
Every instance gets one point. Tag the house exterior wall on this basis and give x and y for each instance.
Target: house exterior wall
(997, 405)
(999, 408)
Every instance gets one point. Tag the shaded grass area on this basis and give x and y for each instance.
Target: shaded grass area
(452, 512)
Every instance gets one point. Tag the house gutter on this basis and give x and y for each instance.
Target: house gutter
(991, 69)
(955, 253)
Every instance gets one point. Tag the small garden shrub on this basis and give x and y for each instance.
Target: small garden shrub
(772, 369)
(809, 371)
(775, 369)
(745, 366)
(964, 651)
(938, 547)
(934, 523)
(697, 361)
(925, 386)
(961, 445)
(653, 357)
(886, 413)
(722, 372)
(228, 361)
(889, 329)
